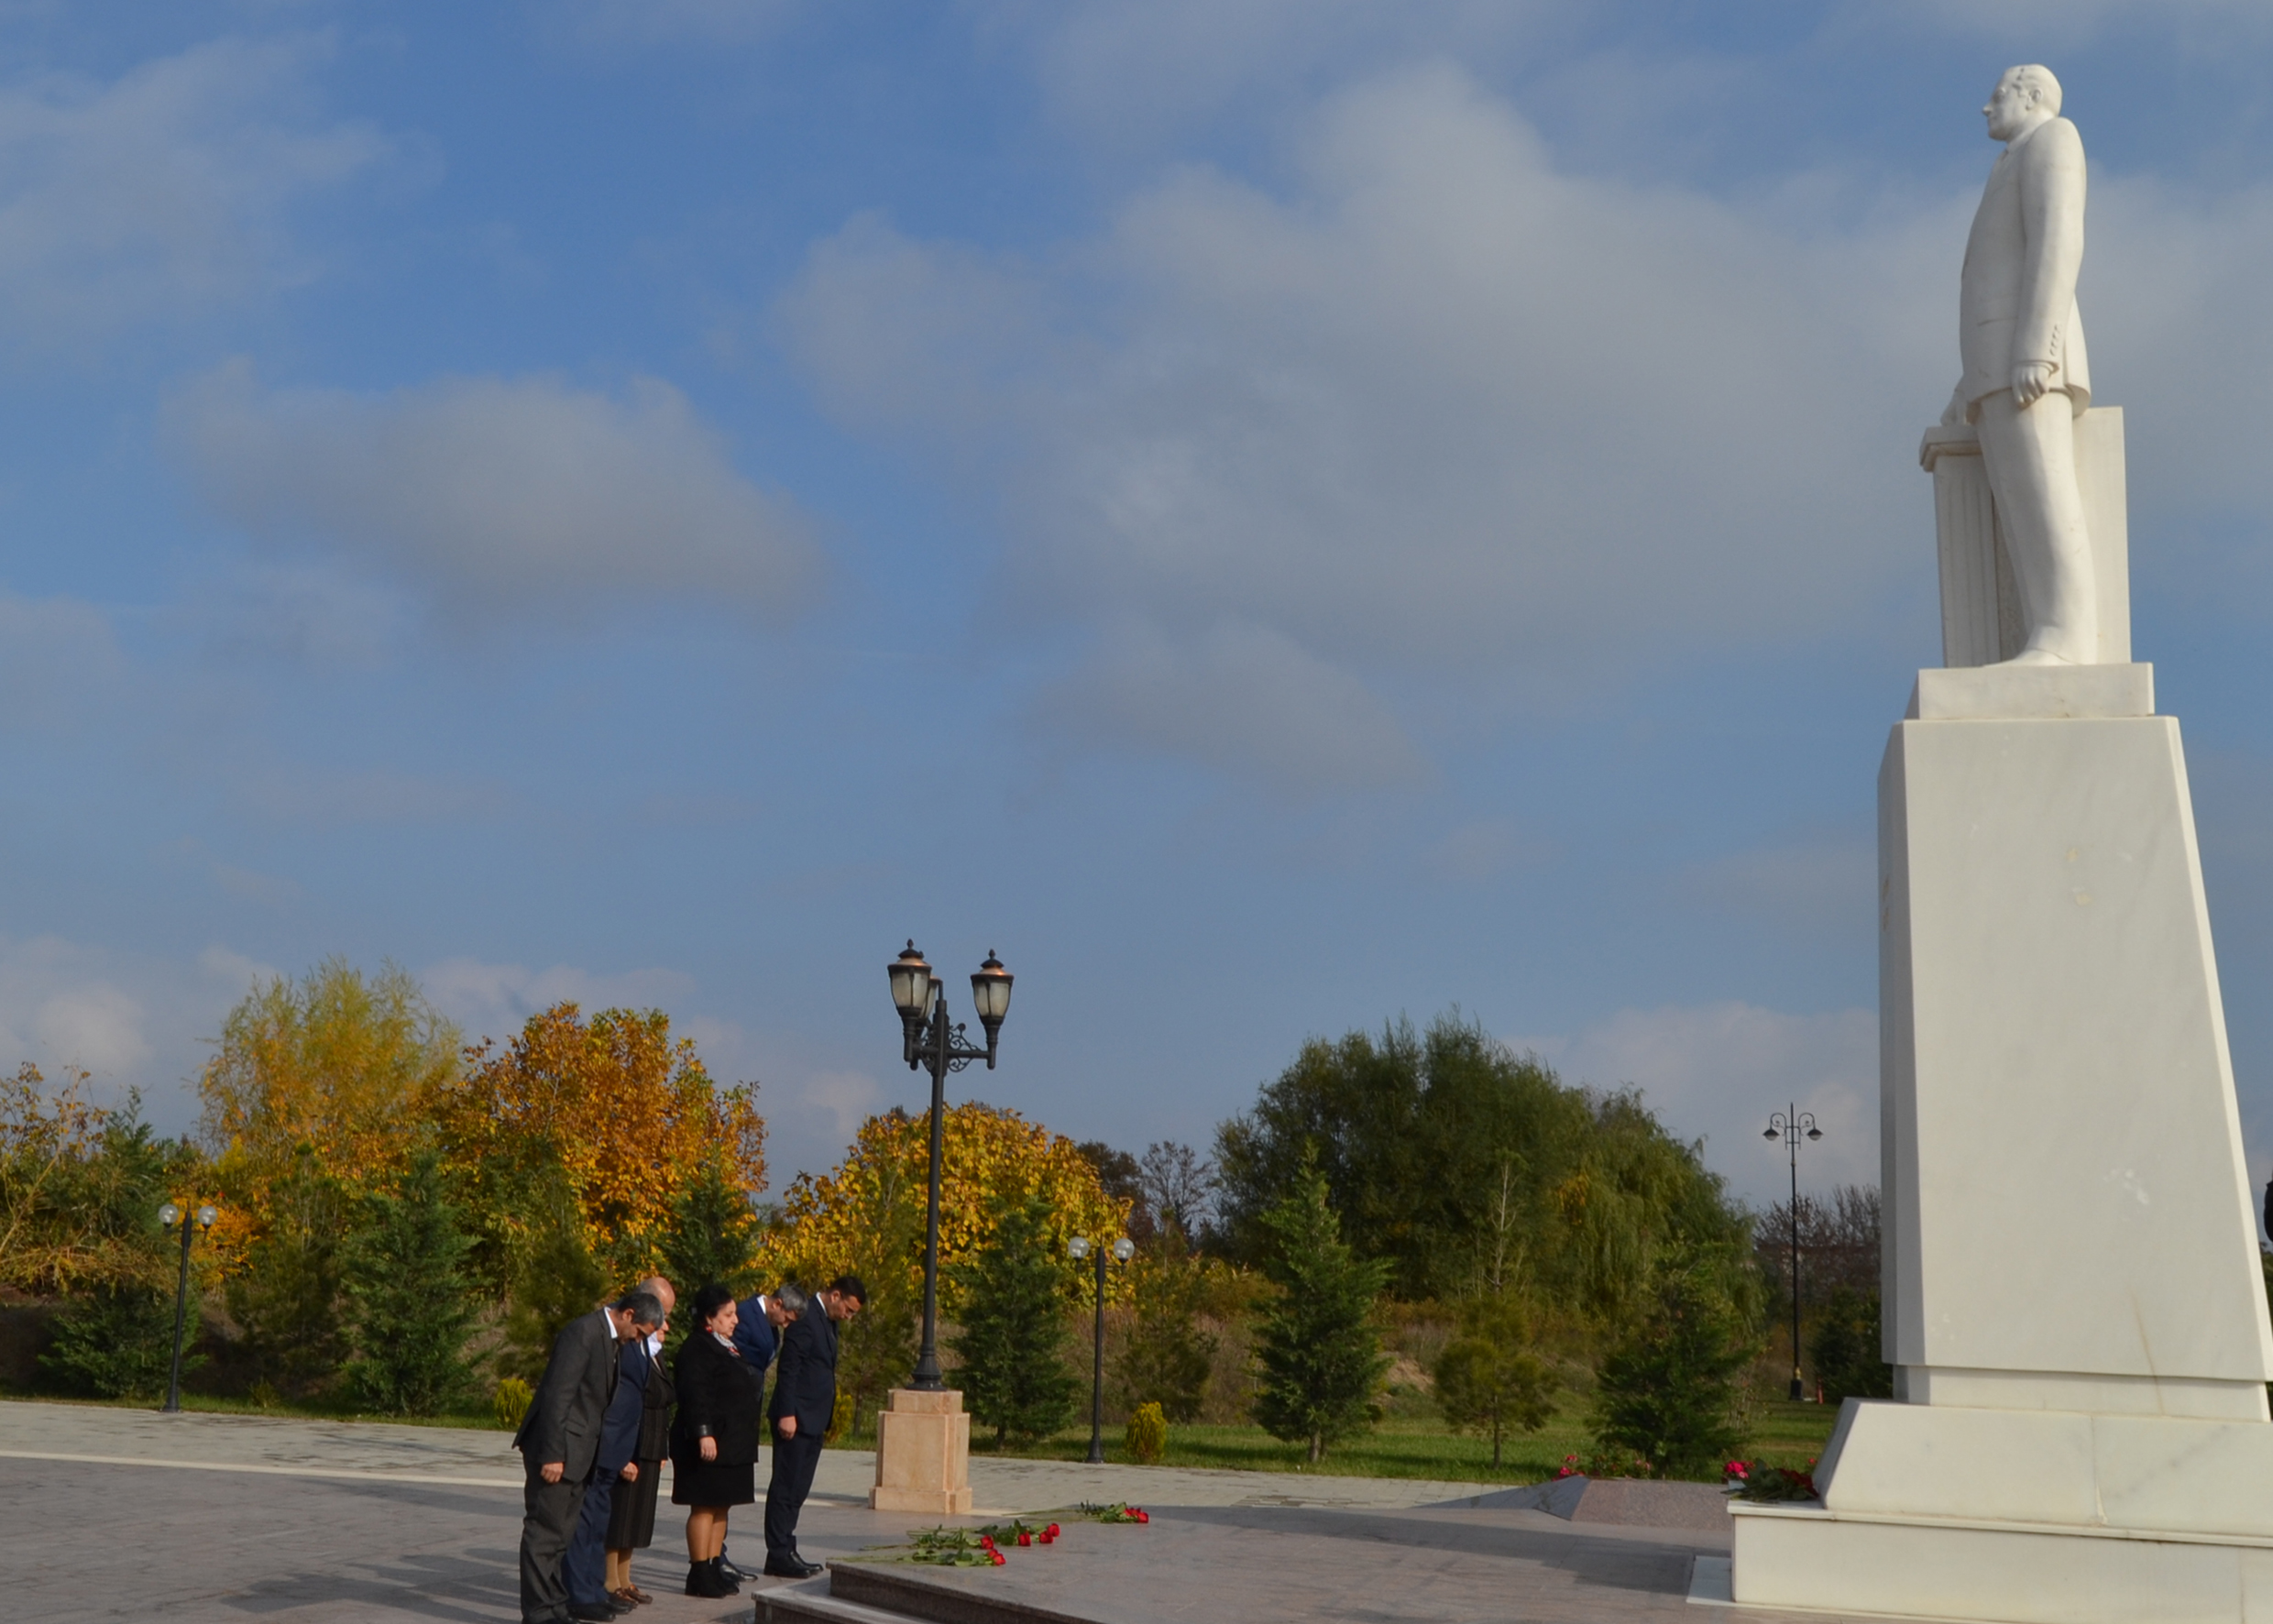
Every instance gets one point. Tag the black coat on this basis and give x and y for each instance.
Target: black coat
(563, 1420)
(657, 1395)
(806, 1385)
(717, 1397)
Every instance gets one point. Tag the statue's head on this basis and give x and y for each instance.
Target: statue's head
(2026, 97)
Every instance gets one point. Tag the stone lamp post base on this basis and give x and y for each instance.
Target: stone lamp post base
(923, 1455)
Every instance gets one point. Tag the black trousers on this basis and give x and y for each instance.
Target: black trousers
(548, 1522)
(794, 1463)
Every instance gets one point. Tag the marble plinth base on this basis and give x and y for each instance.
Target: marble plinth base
(923, 1455)
(1981, 692)
(2058, 1517)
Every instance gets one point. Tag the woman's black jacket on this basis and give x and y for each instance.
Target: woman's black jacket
(717, 1397)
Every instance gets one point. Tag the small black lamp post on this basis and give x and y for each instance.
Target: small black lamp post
(1794, 1125)
(927, 1040)
(169, 1215)
(1121, 1251)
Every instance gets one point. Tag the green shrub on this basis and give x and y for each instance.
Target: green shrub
(1148, 1434)
(510, 1403)
(1488, 1378)
(1668, 1390)
(115, 1343)
(1846, 1347)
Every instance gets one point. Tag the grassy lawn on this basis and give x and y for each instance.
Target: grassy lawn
(1422, 1446)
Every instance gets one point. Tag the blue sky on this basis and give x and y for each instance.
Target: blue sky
(1270, 515)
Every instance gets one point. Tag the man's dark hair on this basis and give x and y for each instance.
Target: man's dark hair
(710, 1300)
(645, 1307)
(850, 1286)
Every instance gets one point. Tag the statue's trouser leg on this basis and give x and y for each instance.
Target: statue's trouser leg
(2031, 458)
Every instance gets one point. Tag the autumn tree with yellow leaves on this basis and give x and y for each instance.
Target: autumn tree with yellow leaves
(593, 1124)
(867, 1218)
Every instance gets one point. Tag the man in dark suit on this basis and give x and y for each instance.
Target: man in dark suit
(757, 1338)
(805, 1401)
(559, 1444)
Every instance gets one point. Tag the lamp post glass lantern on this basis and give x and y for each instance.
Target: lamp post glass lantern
(929, 1042)
(1792, 1125)
(1121, 1251)
(167, 1216)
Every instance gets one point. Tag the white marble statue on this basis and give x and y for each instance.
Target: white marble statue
(2026, 377)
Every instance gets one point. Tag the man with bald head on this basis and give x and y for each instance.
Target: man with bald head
(2026, 379)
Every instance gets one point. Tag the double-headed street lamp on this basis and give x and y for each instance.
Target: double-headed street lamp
(927, 1040)
(1794, 1125)
(169, 1215)
(1121, 1251)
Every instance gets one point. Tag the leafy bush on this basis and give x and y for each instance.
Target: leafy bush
(1488, 1378)
(116, 1342)
(285, 1296)
(1166, 1356)
(558, 1281)
(510, 1403)
(1147, 1435)
(1846, 1347)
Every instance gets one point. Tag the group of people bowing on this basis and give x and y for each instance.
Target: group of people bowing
(607, 1414)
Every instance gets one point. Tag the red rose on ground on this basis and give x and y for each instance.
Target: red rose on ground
(1025, 1538)
(1052, 1531)
(1000, 1559)
(1143, 1516)
(986, 1542)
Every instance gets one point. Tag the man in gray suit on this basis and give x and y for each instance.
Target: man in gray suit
(559, 1442)
(2026, 377)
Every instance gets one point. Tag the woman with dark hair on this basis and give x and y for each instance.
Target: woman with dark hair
(714, 1441)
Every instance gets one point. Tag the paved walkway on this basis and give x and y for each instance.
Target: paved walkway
(345, 1524)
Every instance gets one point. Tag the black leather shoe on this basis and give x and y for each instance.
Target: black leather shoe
(594, 1612)
(725, 1564)
(789, 1567)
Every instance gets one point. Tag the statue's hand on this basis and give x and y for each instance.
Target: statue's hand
(2031, 379)
(1954, 412)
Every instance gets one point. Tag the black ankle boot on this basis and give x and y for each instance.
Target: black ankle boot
(701, 1581)
(718, 1576)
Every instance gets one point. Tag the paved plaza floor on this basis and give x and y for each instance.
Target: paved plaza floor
(293, 1520)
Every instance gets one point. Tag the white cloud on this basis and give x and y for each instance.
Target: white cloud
(497, 1000)
(491, 492)
(96, 1027)
(846, 1098)
(163, 193)
(1715, 1071)
(1238, 696)
(1437, 405)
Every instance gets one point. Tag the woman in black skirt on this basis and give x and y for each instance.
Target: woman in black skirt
(714, 1441)
(631, 1511)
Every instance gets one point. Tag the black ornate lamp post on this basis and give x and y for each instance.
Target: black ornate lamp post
(1794, 1125)
(1121, 1251)
(928, 1041)
(169, 1215)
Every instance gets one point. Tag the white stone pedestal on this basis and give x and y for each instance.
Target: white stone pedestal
(2073, 1300)
(923, 1455)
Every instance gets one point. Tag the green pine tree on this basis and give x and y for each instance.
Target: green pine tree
(410, 1302)
(558, 1280)
(1669, 1390)
(1318, 1347)
(713, 1234)
(1487, 1379)
(116, 1342)
(1012, 1341)
(286, 1297)
(1167, 1357)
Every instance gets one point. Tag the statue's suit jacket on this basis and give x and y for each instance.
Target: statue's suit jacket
(2017, 299)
